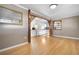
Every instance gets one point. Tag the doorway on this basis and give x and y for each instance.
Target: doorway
(47, 27)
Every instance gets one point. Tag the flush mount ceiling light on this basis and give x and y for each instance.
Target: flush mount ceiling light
(53, 6)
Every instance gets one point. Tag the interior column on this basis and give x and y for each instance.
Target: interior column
(50, 28)
(29, 26)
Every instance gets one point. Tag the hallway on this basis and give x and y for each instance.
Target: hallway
(45, 45)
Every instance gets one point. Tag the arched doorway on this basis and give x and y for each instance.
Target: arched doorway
(31, 18)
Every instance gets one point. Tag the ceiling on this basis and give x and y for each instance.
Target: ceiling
(61, 11)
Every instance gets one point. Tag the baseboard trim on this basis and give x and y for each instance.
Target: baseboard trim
(18, 45)
(65, 37)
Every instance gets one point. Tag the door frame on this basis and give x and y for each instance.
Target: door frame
(30, 15)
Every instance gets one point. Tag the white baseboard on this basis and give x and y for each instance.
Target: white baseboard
(65, 37)
(18, 45)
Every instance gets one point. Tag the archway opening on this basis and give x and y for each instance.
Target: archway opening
(45, 27)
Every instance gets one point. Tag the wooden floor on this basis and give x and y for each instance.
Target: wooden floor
(45, 45)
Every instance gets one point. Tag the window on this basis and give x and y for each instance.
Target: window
(57, 24)
(10, 16)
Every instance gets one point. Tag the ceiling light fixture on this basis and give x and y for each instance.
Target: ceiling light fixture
(53, 6)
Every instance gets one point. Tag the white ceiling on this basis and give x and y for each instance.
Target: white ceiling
(61, 11)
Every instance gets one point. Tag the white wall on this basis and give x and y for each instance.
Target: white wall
(11, 35)
(70, 27)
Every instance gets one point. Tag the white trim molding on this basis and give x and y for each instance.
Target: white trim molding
(21, 6)
(18, 45)
(65, 37)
